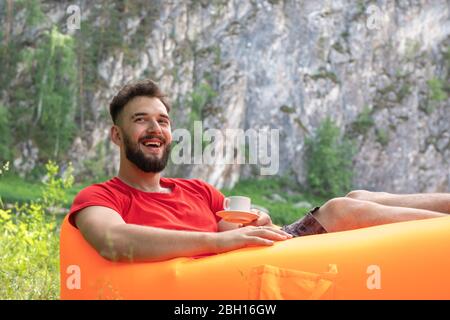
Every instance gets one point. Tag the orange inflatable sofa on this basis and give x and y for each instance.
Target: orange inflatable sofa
(407, 260)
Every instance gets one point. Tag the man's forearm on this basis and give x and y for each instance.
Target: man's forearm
(129, 242)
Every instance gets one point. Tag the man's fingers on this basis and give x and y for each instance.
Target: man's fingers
(270, 233)
(275, 230)
(263, 220)
(257, 241)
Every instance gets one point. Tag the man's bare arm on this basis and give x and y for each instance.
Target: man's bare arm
(116, 240)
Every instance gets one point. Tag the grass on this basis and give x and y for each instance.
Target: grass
(29, 242)
(16, 189)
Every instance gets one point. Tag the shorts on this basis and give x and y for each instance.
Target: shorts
(306, 226)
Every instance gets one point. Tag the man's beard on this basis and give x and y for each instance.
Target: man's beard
(146, 163)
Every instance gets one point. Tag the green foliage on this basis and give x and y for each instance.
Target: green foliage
(14, 189)
(29, 251)
(29, 244)
(58, 73)
(404, 90)
(329, 161)
(386, 90)
(401, 89)
(287, 109)
(428, 108)
(8, 60)
(5, 135)
(324, 74)
(98, 37)
(200, 97)
(33, 12)
(436, 94)
(382, 136)
(3, 168)
(95, 167)
(447, 60)
(44, 110)
(363, 122)
(436, 90)
(55, 80)
(217, 55)
(54, 192)
(338, 47)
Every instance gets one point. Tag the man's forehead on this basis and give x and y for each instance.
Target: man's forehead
(147, 105)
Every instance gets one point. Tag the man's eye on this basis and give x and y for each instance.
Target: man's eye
(139, 119)
(164, 121)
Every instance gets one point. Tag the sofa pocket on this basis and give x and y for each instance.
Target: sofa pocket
(274, 283)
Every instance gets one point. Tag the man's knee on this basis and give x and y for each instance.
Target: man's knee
(338, 214)
(360, 194)
(337, 204)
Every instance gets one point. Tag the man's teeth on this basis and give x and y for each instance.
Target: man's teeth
(152, 144)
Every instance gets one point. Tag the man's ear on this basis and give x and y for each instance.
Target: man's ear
(116, 135)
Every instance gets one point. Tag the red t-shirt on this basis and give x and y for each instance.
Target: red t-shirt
(191, 205)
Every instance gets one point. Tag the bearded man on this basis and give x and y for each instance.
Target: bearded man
(141, 216)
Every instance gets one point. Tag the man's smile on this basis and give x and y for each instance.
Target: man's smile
(153, 145)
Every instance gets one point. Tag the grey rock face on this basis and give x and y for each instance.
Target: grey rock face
(27, 161)
(290, 64)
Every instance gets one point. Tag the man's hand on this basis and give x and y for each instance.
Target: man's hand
(263, 220)
(248, 236)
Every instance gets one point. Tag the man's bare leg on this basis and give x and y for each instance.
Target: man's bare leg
(342, 214)
(439, 202)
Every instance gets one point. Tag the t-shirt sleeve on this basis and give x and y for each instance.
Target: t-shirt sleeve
(94, 195)
(215, 198)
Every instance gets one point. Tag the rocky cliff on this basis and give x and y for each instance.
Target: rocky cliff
(276, 64)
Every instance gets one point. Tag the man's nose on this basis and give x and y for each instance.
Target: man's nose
(153, 126)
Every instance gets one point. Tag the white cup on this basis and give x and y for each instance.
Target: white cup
(237, 203)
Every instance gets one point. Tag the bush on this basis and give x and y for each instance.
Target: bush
(29, 243)
(436, 90)
(329, 161)
(363, 123)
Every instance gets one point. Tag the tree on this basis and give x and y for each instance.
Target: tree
(329, 161)
(55, 80)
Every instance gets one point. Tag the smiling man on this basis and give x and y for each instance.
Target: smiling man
(140, 216)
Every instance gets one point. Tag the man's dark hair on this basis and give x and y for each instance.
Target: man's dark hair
(146, 88)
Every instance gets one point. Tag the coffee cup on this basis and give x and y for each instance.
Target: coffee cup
(237, 203)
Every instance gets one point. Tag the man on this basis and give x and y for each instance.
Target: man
(141, 216)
